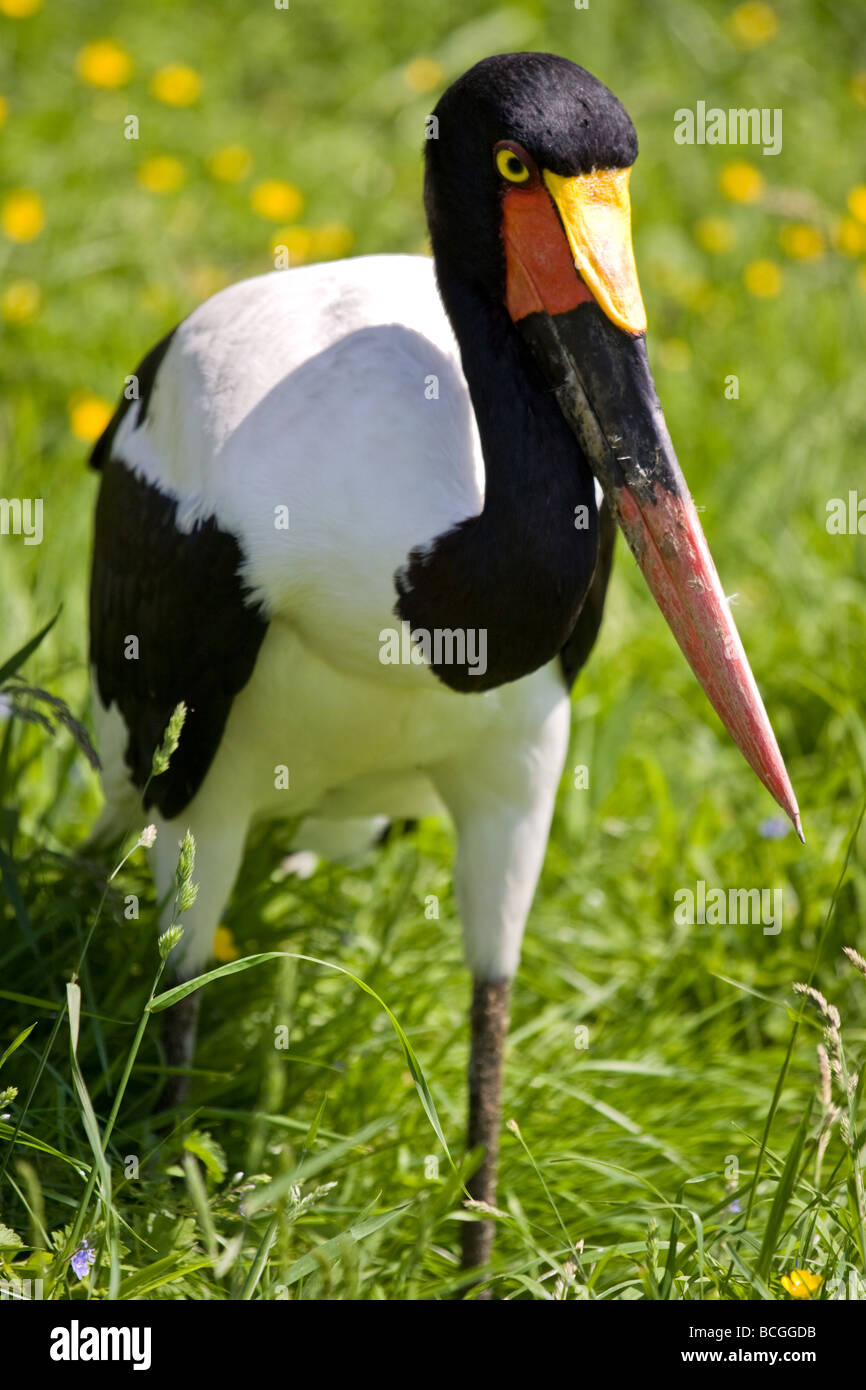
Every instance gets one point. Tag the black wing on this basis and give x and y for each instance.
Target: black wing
(144, 378)
(170, 620)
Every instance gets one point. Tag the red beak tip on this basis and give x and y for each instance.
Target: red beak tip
(667, 540)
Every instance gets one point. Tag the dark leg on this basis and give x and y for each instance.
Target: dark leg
(488, 1028)
(178, 1039)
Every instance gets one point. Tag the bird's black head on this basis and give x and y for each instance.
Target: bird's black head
(562, 117)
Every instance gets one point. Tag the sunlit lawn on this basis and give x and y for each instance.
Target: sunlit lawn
(304, 128)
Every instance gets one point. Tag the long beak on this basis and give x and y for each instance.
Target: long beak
(591, 347)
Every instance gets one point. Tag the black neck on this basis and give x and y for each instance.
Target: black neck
(520, 570)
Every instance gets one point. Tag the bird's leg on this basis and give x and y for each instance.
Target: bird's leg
(488, 1030)
(179, 1026)
(219, 843)
(501, 802)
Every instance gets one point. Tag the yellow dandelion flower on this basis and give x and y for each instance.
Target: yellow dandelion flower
(291, 246)
(22, 215)
(176, 85)
(715, 234)
(19, 9)
(88, 416)
(802, 242)
(801, 1283)
(20, 301)
(763, 278)
(330, 241)
(754, 23)
(224, 948)
(230, 163)
(423, 75)
(849, 237)
(675, 355)
(162, 173)
(741, 182)
(857, 202)
(104, 64)
(4, 110)
(858, 88)
(276, 200)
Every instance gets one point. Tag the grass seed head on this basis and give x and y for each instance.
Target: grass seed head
(170, 739)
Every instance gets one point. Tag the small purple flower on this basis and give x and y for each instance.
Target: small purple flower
(83, 1259)
(776, 828)
(735, 1207)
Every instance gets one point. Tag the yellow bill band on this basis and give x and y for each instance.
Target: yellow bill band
(596, 214)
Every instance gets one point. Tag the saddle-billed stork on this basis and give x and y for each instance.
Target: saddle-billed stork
(360, 520)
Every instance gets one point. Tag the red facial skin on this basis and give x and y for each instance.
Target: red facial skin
(537, 256)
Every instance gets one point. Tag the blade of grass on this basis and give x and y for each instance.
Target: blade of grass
(784, 1189)
(18, 659)
(796, 1028)
(173, 996)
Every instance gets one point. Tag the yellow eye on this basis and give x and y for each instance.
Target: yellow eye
(511, 166)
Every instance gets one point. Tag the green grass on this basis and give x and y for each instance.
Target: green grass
(634, 1152)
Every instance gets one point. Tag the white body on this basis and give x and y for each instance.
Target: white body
(311, 390)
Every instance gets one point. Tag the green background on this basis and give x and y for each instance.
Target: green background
(688, 1027)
